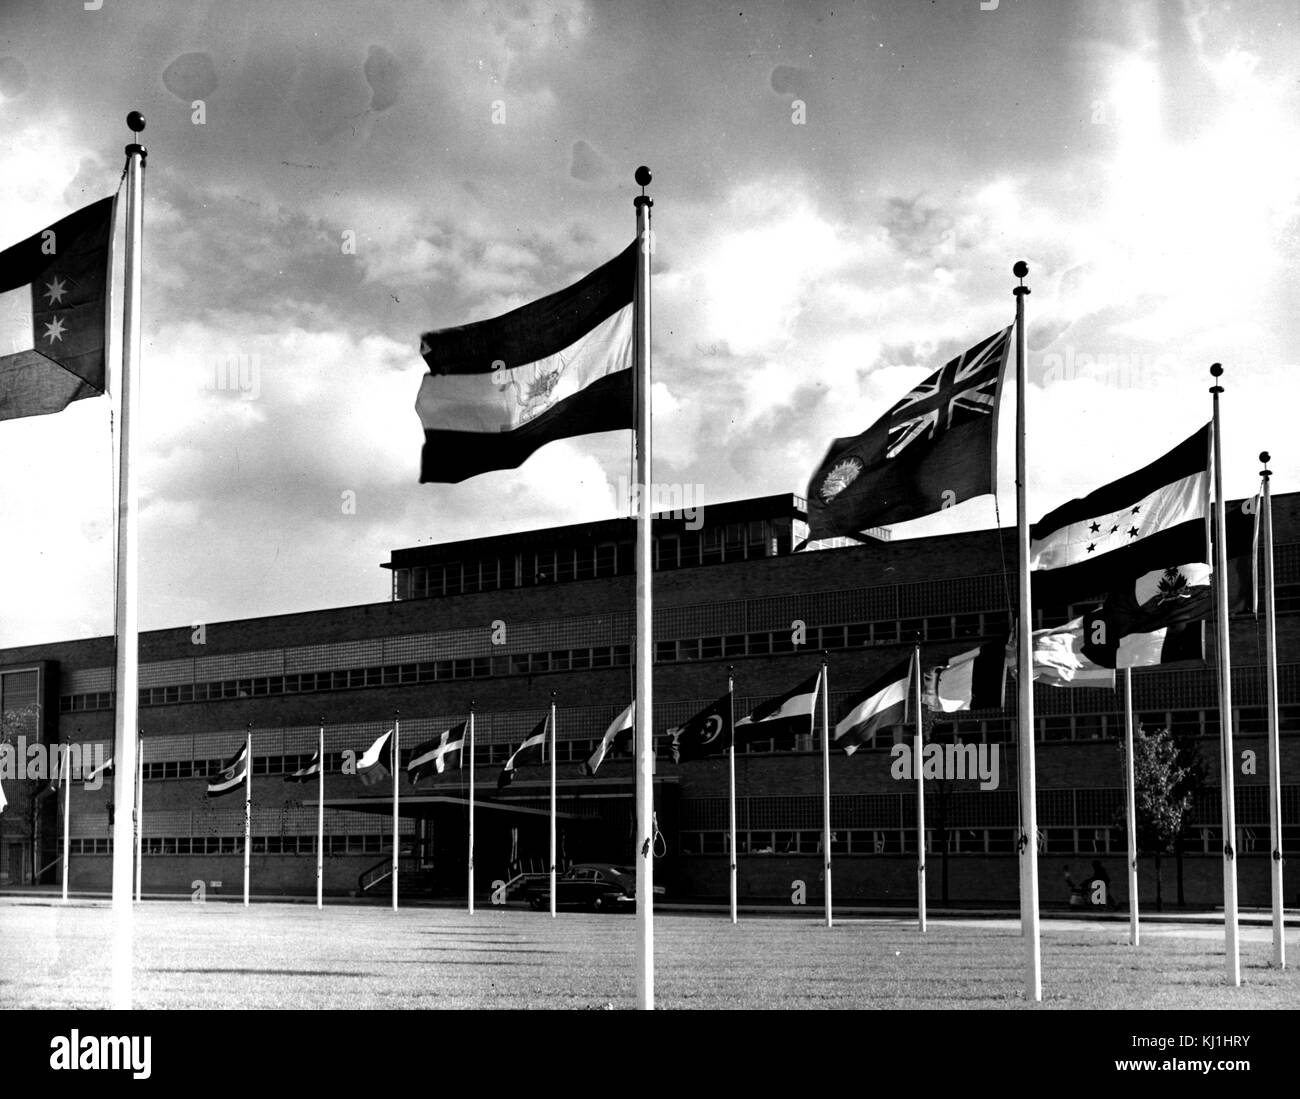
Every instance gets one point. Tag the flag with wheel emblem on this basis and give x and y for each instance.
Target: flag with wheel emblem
(232, 775)
(935, 448)
(54, 313)
(708, 733)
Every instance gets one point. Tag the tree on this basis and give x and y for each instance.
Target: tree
(23, 804)
(1164, 782)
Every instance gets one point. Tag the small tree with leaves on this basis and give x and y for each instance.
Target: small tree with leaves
(1164, 783)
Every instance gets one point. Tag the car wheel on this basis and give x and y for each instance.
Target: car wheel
(535, 903)
(598, 903)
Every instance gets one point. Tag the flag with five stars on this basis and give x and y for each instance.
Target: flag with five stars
(935, 448)
(54, 314)
(1148, 520)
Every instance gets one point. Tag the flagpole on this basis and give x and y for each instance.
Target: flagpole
(1232, 954)
(248, 805)
(643, 716)
(139, 816)
(126, 680)
(920, 793)
(826, 783)
(1274, 749)
(320, 818)
(1025, 678)
(470, 889)
(731, 785)
(554, 745)
(397, 766)
(67, 801)
(1130, 784)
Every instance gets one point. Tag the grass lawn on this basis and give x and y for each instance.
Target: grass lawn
(293, 956)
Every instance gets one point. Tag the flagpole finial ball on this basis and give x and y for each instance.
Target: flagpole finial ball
(1264, 456)
(1020, 269)
(643, 176)
(135, 121)
(1216, 369)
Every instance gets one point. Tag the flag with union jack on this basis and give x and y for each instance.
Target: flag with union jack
(935, 448)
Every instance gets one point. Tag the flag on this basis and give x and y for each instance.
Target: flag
(935, 448)
(497, 390)
(105, 768)
(1085, 651)
(532, 750)
(973, 680)
(617, 738)
(304, 773)
(231, 774)
(376, 762)
(875, 707)
(1146, 520)
(431, 756)
(708, 733)
(54, 313)
(782, 718)
(3, 800)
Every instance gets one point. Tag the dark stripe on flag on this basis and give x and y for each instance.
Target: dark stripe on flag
(538, 329)
(452, 456)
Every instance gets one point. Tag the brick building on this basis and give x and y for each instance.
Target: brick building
(506, 622)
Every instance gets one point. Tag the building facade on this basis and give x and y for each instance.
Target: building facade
(507, 625)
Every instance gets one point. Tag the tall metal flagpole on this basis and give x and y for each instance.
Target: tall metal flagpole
(139, 816)
(1274, 752)
(920, 792)
(1025, 679)
(469, 892)
(320, 818)
(1232, 952)
(126, 681)
(1130, 786)
(67, 801)
(731, 785)
(397, 766)
(248, 805)
(644, 714)
(554, 746)
(826, 785)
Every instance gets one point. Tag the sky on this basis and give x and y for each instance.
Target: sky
(840, 192)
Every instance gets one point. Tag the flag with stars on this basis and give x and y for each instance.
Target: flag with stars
(499, 389)
(54, 314)
(1145, 521)
(935, 448)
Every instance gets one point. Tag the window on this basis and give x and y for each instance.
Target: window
(667, 549)
(665, 652)
(605, 558)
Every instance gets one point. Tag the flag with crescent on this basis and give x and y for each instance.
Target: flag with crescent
(708, 733)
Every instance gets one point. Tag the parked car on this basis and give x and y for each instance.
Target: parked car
(600, 886)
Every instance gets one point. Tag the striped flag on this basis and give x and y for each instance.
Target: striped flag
(876, 707)
(311, 770)
(532, 750)
(973, 680)
(1143, 521)
(54, 313)
(781, 718)
(1086, 650)
(431, 756)
(618, 737)
(232, 775)
(376, 762)
(497, 390)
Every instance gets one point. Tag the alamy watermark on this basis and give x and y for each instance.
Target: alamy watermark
(671, 500)
(1120, 370)
(46, 762)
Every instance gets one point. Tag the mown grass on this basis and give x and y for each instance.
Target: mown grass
(294, 956)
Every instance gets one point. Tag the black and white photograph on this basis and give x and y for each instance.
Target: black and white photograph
(682, 507)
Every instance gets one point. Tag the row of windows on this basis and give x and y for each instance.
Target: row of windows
(766, 643)
(234, 845)
(966, 841)
(686, 549)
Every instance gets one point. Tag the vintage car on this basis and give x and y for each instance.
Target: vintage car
(600, 886)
